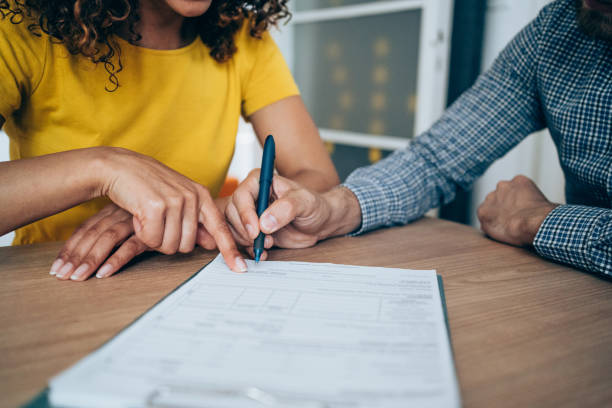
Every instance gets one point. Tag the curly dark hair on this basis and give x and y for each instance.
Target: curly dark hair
(88, 27)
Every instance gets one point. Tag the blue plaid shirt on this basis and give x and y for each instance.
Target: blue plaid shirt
(551, 75)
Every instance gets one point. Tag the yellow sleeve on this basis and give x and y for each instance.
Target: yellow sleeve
(266, 77)
(22, 58)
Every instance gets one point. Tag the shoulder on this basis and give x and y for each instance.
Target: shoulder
(562, 42)
(253, 50)
(559, 16)
(20, 34)
(246, 43)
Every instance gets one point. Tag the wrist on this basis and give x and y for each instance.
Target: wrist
(344, 212)
(534, 220)
(102, 168)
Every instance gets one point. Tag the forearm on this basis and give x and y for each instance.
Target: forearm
(316, 180)
(300, 154)
(35, 188)
(398, 189)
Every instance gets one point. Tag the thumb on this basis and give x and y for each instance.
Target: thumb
(285, 209)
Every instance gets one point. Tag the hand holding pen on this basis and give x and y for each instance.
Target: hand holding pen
(253, 196)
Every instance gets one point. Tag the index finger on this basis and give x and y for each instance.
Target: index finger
(244, 199)
(211, 218)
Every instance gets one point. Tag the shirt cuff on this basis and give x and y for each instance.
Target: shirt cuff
(373, 203)
(566, 233)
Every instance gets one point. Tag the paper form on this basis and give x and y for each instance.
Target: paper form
(285, 333)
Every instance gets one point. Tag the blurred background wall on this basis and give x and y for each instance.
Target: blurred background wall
(375, 73)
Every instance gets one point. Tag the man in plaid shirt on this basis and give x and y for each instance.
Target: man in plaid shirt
(556, 73)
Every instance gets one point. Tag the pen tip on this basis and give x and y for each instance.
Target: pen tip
(257, 256)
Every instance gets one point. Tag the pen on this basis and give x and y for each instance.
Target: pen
(265, 182)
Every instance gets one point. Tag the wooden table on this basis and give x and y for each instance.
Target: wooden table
(525, 332)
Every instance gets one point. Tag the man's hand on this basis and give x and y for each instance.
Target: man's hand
(514, 212)
(297, 217)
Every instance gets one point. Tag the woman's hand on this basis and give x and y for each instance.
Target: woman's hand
(170, 211)
(92, 243)
(90, 249)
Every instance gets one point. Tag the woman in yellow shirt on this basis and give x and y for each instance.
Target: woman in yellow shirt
(137, 103)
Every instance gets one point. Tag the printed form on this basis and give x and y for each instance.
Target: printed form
(285, 334)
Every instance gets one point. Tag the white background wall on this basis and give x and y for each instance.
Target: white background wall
(536, 156)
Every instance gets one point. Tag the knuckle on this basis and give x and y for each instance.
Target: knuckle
(254, 173)
(203, 190)
(292, 203)
(520, 178)
(244, 214)
(116, 261)
(231, 211)
(112, 234)
(64, 254)
(92, 260)
(308, 198)
(185, 248)
(502, 184)
(131, 247)
(175, 200)
(190, 197)
(156, 206)
(169, 248)
(480, 213)
(95, 231)
(203, 195)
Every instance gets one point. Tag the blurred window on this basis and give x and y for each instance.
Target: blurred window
(372, 73)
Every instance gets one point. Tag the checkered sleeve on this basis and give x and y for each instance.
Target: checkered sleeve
(579, 236)
(488, 120)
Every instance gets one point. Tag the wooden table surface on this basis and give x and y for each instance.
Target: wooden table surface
(525, 332)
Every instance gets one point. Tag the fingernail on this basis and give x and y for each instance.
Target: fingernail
(55, 266)
(241, 265)
(250, 230)
(268, 242)
(80, 272)
(269, 222)
(66, 269)
(103, 271)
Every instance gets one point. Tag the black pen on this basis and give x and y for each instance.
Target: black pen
(265, 182)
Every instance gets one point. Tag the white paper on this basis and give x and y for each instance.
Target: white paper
(284, 334)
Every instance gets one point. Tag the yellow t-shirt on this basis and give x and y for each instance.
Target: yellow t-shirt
(178, 106)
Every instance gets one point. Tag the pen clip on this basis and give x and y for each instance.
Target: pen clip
(172, 396)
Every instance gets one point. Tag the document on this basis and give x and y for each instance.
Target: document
(285, 334)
